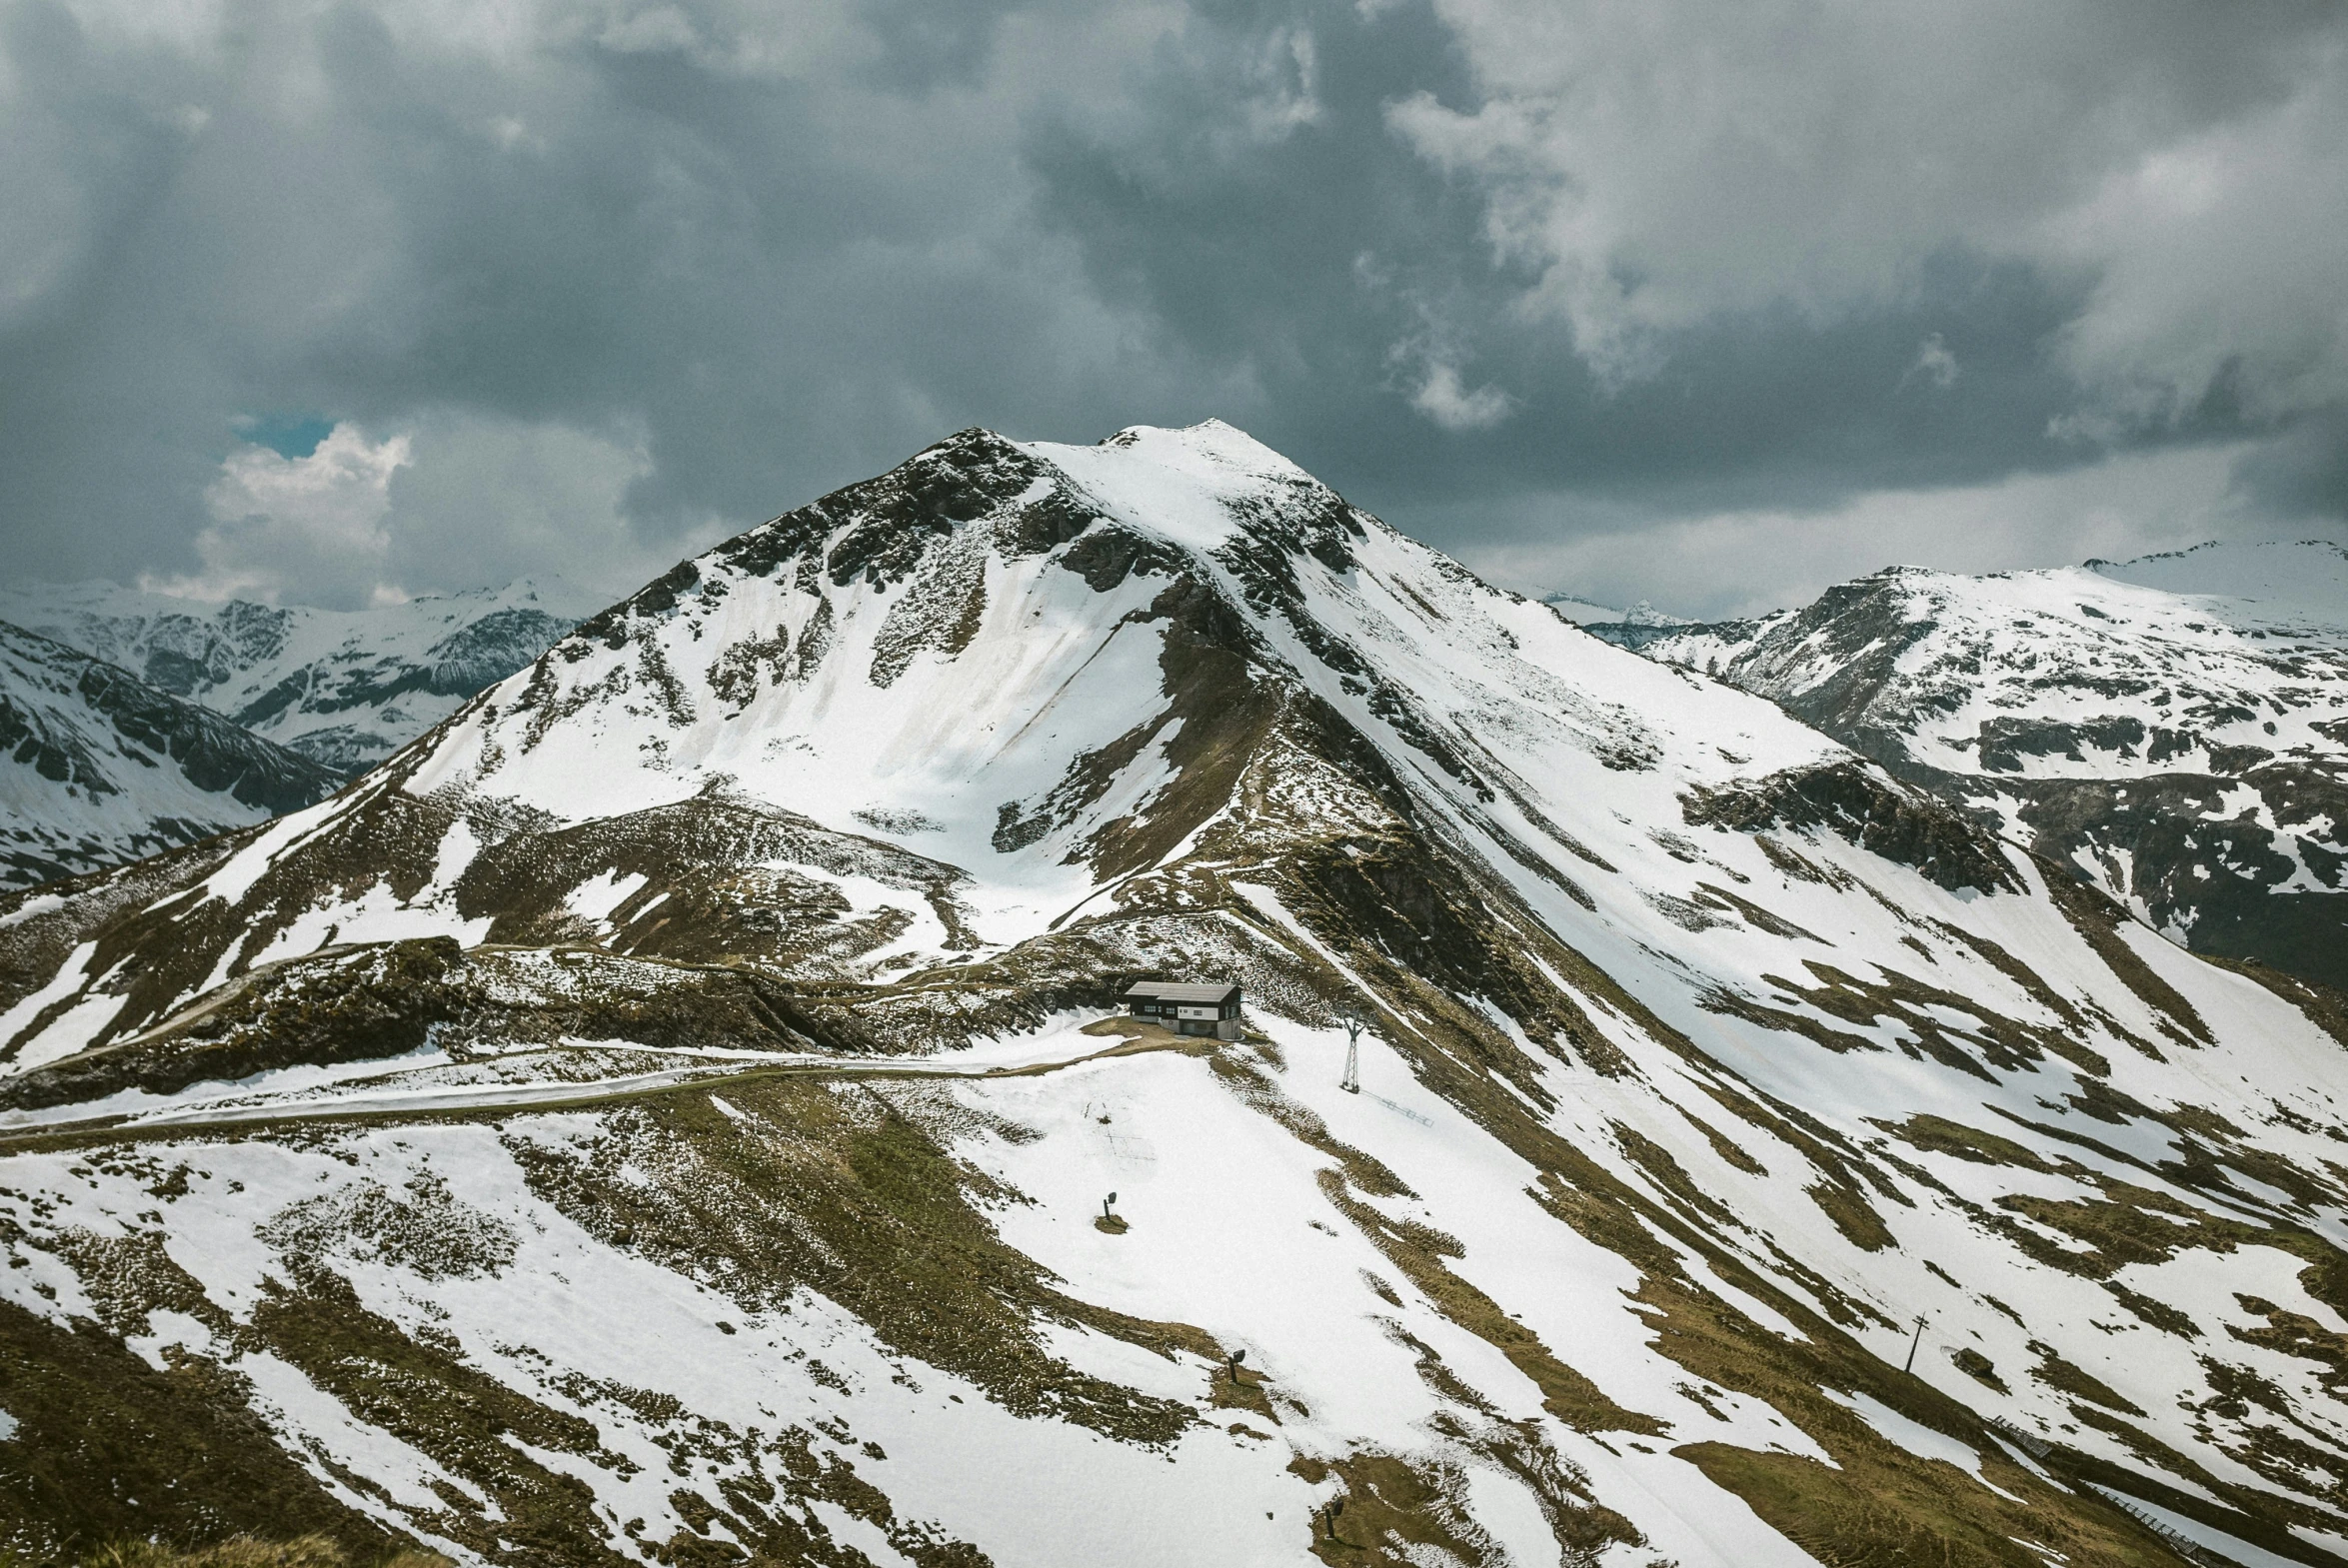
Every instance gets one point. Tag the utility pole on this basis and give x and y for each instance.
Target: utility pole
(1912, 1344)
(1354, 1024)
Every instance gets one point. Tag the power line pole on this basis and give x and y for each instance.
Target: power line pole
(1354, 1021)
(1912, 1344)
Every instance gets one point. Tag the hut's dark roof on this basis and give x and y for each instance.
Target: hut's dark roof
(1195, 995)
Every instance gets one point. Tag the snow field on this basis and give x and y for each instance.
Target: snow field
(1231, 1229)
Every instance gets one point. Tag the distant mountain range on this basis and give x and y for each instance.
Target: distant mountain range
(133, 721)
(346, 688)
(2172, 729)
(97, 767)
(1624, 628)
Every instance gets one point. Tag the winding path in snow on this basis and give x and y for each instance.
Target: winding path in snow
(393, 1105)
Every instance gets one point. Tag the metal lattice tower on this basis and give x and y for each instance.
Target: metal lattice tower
(1354, 1024)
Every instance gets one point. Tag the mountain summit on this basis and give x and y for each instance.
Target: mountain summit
(2173, 729)
(670, 1112)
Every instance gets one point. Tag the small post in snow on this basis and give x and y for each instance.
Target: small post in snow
(1354, 1024)
(1913, 1343)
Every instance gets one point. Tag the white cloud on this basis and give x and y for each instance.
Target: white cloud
(317, 520)
(1288, 76)
(704, 255)
(1935, 364)
(458, 501)
(1655, 164)
(2220, 255)
(1425, 365)
(1441, 399)
(490, 498)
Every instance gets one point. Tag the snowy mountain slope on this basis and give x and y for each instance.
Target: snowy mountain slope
(666, 1114)
(346, 688)
(2174, 729)
(98, 768)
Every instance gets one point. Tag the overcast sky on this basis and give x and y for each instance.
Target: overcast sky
(1710, 304)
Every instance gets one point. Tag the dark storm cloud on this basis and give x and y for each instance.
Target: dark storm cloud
(589, 281)
(768, 275)
(1337, 264)
(2303, 477)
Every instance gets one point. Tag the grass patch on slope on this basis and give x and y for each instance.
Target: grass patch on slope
(842, 1193)
(107, 1448)
(246, 1551)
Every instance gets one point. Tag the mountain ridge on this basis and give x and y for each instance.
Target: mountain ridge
(747, 964)
(2187, 752)
(345, 687)
(101, 767)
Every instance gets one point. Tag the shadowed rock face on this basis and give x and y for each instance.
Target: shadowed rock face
(1858, 803)
(101, 766)
(662, 1114)
(2182, 752)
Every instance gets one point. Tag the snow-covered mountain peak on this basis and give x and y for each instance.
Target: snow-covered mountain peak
(344, 688)
(1634, 628)
(1055, 659)
(543, 592)
(550, 591)
(1199, 486)
(1644, 614)
(2175, 728)
(1211, 445)
(1924, 658)
(747, 969)
(98, 768)
(1582, 612)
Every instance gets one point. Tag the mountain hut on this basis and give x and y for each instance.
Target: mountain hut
(1211, 1008)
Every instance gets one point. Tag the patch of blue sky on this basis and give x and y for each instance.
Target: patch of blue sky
(287, 435)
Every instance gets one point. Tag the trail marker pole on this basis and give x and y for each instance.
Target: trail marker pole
(1354, 1024)
(1912, 1344)
(1104, 1202)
